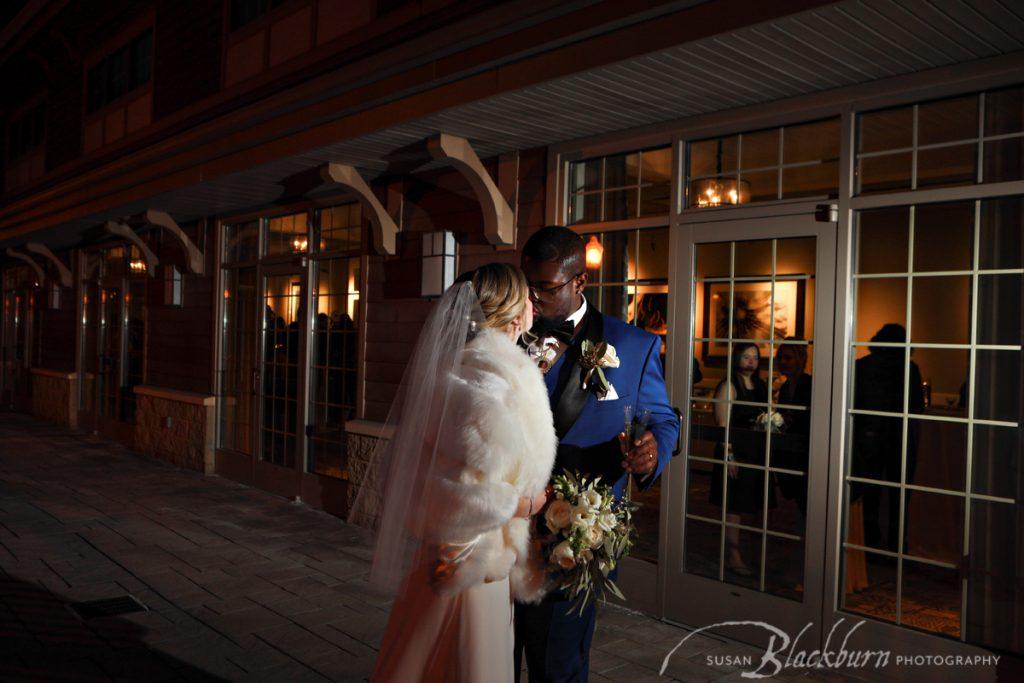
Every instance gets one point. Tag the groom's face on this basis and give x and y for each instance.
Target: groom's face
(555, 293)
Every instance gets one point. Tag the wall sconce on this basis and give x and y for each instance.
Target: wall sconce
(595, 252)
(53, 296)
(438, 263)
(172, 286)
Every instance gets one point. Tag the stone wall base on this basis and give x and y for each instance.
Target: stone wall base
(55, 396)
(363, 437)
(176, 426)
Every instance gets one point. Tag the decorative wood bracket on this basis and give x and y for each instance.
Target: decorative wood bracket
(385, 229)
(161, 219)
(125, 231)
(499, 219)
(30, 261)
(44, 251)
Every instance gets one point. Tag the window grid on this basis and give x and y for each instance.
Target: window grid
(970, 420)
(769, 469)
(577, 198)
(737, 174)
(979, 140)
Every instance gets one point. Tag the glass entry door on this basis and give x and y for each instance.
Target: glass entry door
(17, 298)
(281, 378)
(747, 533)
(113, 332)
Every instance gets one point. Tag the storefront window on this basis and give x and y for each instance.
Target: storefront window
(281, 315)
(620, 187)
(933, 484)
(963, 140)
(777, 163)
(630, 282)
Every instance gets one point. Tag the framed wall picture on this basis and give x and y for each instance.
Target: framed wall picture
(754, 314)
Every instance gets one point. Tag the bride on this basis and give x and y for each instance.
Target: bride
(466, 468)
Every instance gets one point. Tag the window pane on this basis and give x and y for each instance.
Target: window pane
(930, 599)
(1004, 111)
(653, 262)
(998, 467)
(997, 384)
(585, 175)
(287, 235)
(947, 120)
(241, 241)
(939, 459)
(941, 310)
(956, 165)
(763, 185)
(811, 181)
(817, 141)
(713, 157)
(884, 173)
(620, 204)
(615, 260)
(341, 228)
(944, 374)
(621, 170)
(1004, 160)
(943, 237)
(1002, 227)
(759, 150)
(880, 302)
(585, 208)
(994, 591)
(885, 130)
(238, 361)
(142, 50)
(882, 238)
(999, 309)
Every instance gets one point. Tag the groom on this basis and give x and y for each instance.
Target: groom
(588, 423)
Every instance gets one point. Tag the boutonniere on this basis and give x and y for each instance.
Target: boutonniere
(594, 358)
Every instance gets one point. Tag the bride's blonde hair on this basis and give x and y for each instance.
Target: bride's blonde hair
(502, 291)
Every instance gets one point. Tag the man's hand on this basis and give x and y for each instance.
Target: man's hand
(641, 456)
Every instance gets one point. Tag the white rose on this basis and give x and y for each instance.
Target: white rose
(595, 536)
(563, 556)
(582, 516)
(558, 515)
(610, 358)
(592, 499)
(607, 521)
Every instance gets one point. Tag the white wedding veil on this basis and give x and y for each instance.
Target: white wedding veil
(396, 488)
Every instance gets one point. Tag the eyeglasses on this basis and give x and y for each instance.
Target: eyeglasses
(536, 292)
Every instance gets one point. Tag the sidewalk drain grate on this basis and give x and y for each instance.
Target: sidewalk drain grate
(107, 607)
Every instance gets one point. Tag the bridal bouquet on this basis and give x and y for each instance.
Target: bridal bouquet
(592, 532)
(770, 421)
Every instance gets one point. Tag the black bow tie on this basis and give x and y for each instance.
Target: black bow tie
(563, 332)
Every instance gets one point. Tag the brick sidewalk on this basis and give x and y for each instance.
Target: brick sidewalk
(240, 584)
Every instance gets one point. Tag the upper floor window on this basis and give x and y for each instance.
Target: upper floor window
(765, 165)
(120, 72)
(976, 138)
(620, 186)
(244, 11)
(25, 133)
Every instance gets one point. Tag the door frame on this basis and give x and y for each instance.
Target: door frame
(777, 220)
(281, 480)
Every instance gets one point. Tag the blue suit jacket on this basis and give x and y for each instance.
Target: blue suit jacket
(591, 445)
